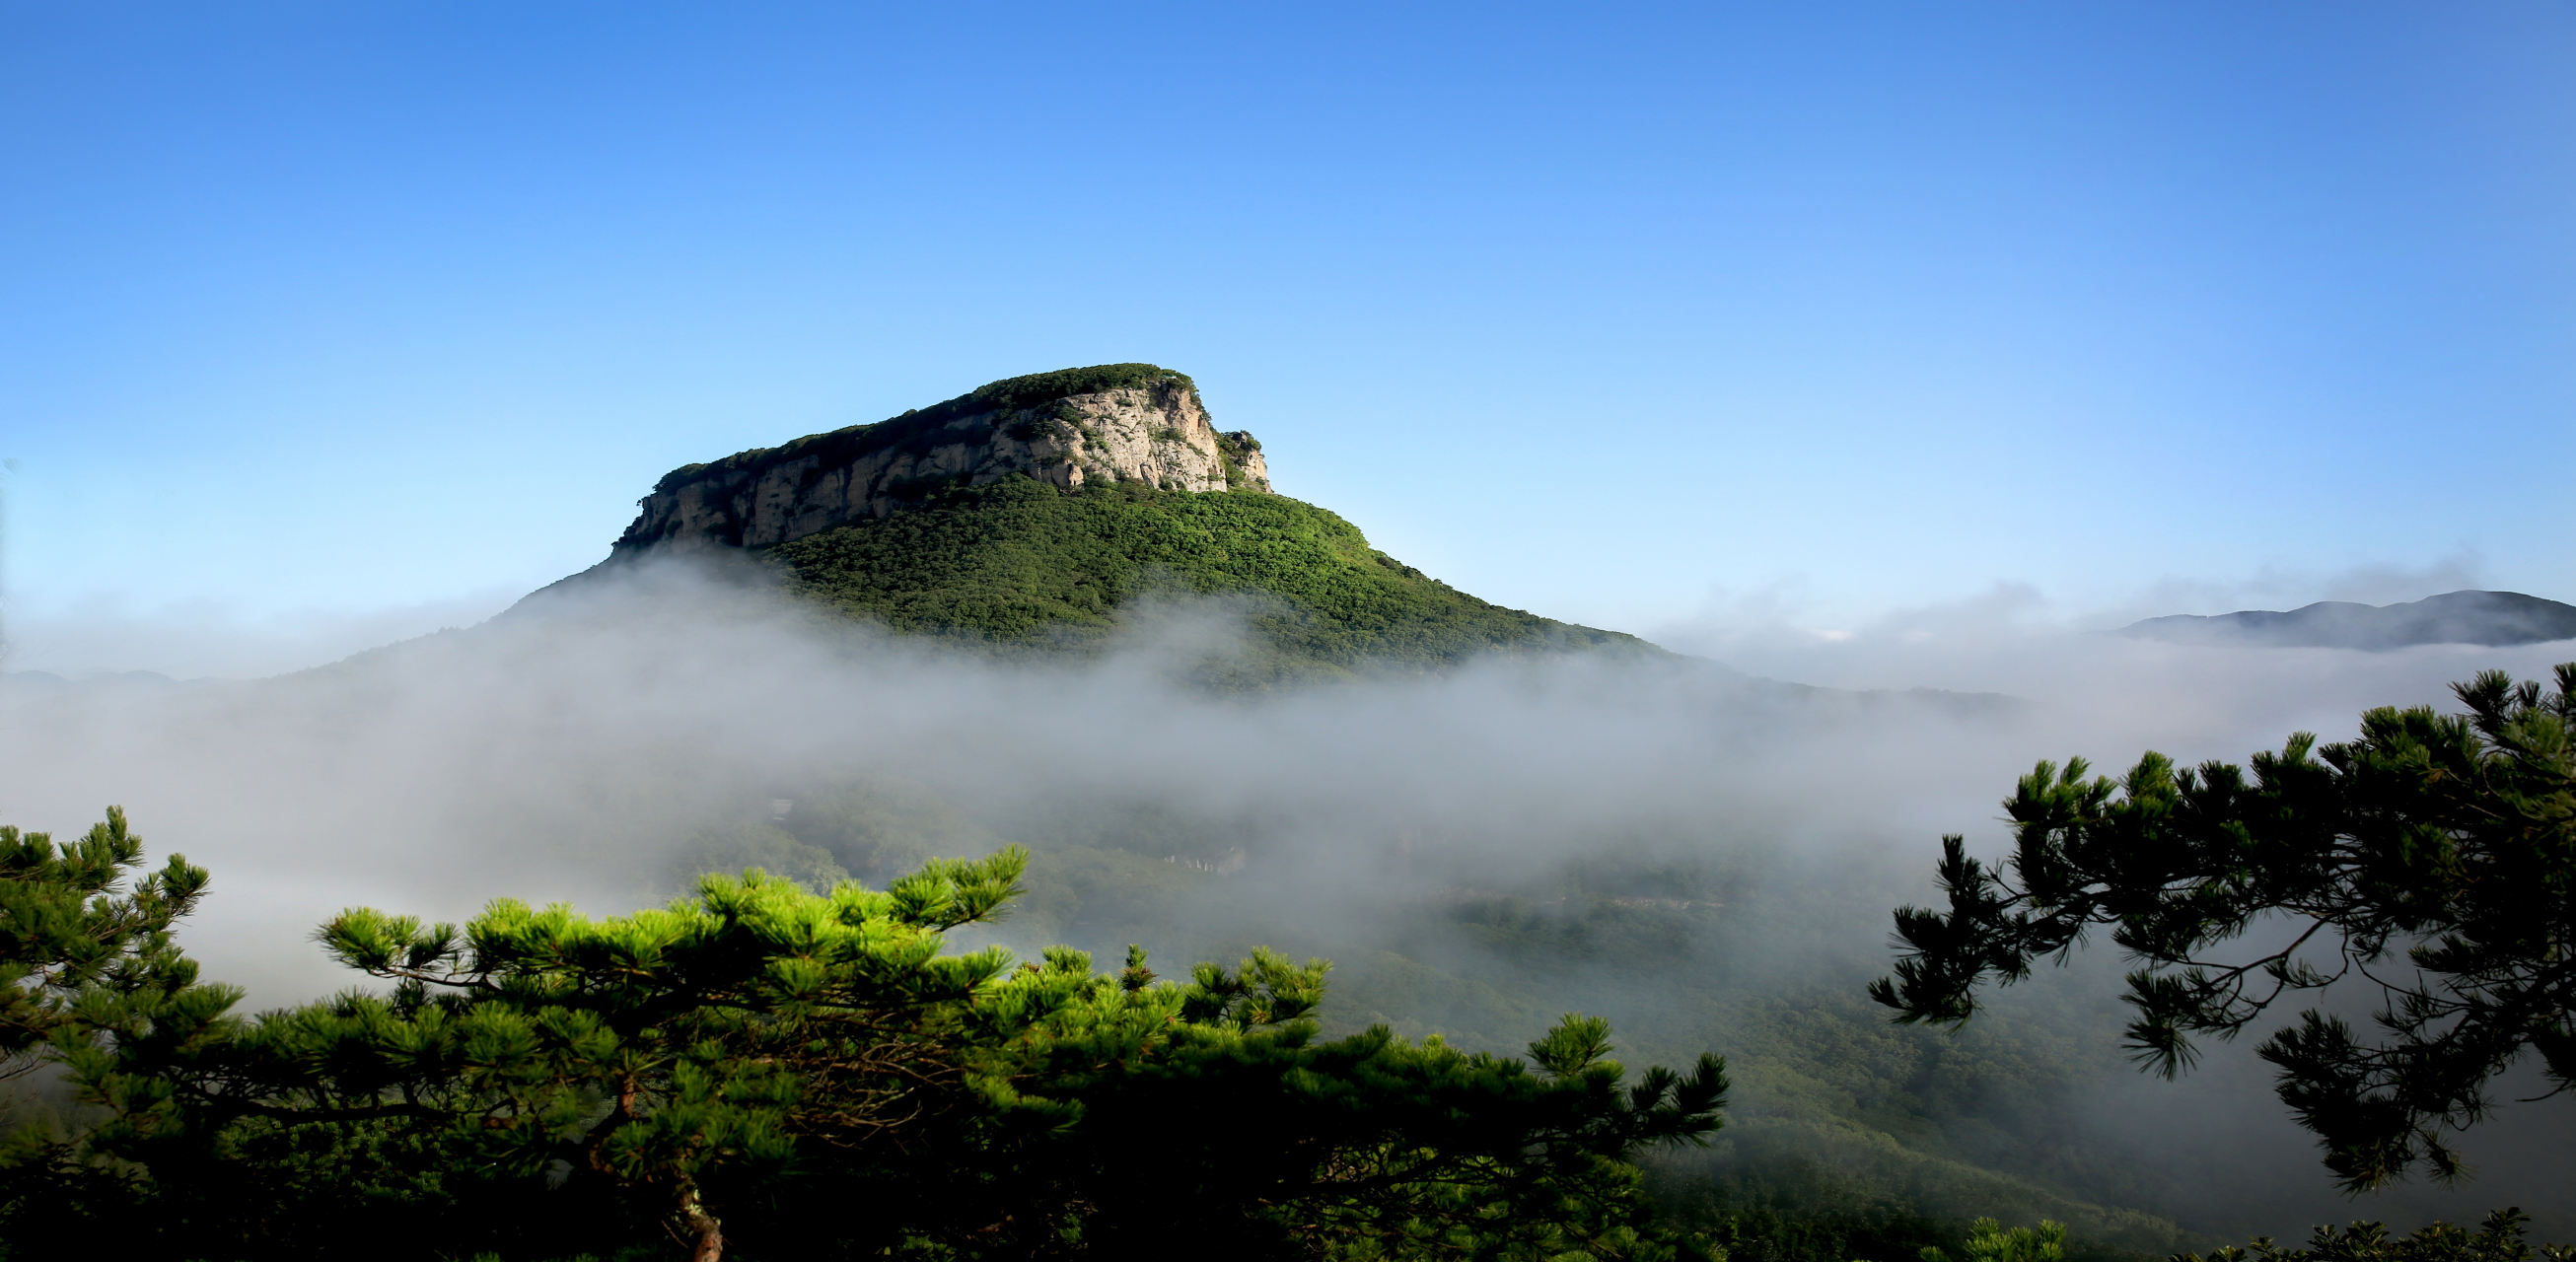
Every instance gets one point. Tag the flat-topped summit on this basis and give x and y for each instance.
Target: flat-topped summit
(1030, 515)
(1077, 427)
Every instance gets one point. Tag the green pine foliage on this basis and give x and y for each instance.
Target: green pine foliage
(1991, 1241)
(2432, 859)
(1923, 1127)
(72, 934)
(2498, 1239)
(537, 1084)
(761, 1070)
(1018, 564)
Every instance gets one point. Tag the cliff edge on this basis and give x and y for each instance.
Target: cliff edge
(1112, 423)
(1030, 515)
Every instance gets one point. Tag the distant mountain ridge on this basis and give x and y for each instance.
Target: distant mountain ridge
(2493, 619)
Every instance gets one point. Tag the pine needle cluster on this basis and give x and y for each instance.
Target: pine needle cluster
(762, 1070)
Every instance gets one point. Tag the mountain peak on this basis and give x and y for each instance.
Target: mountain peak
(1108, 423)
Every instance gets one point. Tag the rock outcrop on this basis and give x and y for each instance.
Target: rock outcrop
(1074, 428)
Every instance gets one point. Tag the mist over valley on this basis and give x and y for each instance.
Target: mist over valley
(1066, 613)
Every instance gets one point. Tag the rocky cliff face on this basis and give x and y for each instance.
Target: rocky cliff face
(1113, 423)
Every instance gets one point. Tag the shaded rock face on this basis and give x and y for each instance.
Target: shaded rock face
(1153, 431)
(2494, 619)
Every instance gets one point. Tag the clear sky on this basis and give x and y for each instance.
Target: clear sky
(1627, 314)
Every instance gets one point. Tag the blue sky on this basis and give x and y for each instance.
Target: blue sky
(1628, 314)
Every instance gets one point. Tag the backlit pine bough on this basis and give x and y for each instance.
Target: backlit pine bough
(808, 1072)
(75, 947)
(2434, 858)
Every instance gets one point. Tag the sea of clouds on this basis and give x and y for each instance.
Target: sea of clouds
(561, 752)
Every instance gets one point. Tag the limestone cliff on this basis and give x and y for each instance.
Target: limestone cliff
(1111, 423)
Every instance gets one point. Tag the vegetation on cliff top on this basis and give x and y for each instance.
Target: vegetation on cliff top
(1011, 394)
(1020, 563)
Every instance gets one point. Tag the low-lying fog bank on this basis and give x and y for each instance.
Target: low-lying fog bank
(597, 750)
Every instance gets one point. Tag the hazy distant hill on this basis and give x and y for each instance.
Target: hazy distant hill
(2489, 618)
(1034, 513)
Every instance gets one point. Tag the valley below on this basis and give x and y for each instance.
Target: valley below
(1217, 720)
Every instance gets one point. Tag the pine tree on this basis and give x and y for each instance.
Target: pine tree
(2498, 1239)
(811, 1074)
(78, 949)
(1989, 1241)
(2432, 860)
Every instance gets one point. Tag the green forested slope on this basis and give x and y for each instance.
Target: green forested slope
(1018, 563)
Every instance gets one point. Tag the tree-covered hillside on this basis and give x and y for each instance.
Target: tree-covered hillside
(1019, 564)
